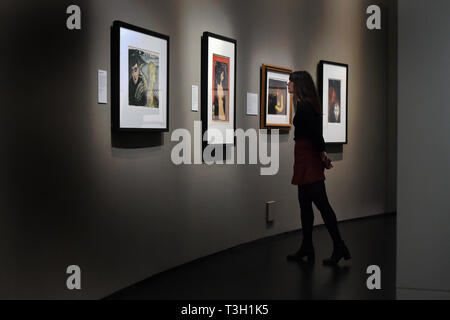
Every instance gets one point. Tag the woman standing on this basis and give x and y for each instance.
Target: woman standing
(310, 163)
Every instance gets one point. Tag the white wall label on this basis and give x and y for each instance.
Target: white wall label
(102, 86)
(252, 104)
(194, 98)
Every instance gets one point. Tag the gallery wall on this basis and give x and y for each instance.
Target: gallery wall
(116, 205)
(423, 218)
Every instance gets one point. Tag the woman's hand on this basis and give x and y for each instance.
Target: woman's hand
(326, 161)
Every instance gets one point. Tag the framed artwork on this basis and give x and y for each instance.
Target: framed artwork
(218, 98)
(333, 89)
(276, 102)
(140, 79)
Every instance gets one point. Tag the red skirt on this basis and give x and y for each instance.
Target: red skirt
(308, 167)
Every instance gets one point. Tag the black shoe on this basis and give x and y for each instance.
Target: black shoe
(340, 251)
(304, 251)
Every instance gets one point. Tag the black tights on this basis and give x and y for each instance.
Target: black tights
(316, 192)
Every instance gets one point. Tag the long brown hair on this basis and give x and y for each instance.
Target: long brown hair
(305, 89)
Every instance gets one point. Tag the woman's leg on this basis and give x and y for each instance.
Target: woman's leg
(318, 194)
(307, 217)
(306, 214)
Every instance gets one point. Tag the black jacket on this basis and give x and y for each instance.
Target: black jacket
(308, 124)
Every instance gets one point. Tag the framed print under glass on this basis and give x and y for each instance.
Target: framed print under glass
(140, 79)
(218, 88)
(333, 89)
(276, 102)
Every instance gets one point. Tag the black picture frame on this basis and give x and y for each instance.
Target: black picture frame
(116, 76)
(320, 78)
(204, 82)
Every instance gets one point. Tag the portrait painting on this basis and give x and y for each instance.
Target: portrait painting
(143, 78)
(334, 101)
(221, 94)
(218, 93)
(140, 79)
(277, 97)
(332, 83)
(276, 101)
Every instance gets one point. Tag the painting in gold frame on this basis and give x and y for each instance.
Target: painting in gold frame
(276, 102)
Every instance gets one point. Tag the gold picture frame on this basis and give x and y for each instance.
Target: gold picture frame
(276, 105)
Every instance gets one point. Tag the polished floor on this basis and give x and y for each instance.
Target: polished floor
(259, 270)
